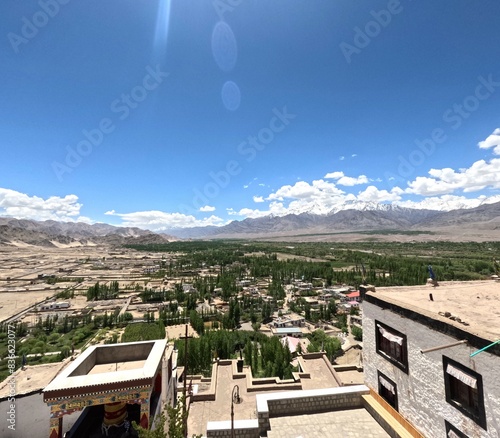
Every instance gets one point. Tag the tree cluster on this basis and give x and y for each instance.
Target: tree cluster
(102, 291)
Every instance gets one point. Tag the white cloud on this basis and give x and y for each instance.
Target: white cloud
(442, 189)
(372, 194)
(479, 176)
(354, 155)
(22, 206)
(341, 158)
(207, 208)
(449, 202)
(275, 208)
(250, 183)
(319, 189)
(346, 180)
(248, 212)
(155, 220)
(350, 181)
(492, 141)
(334, 175)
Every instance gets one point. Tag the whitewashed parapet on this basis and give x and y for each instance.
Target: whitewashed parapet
(307, 402)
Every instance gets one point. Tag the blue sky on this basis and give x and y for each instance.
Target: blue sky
(164, 114)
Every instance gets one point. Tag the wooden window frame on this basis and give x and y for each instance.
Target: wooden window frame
(468, 400)
(385, 392)
(391, 350)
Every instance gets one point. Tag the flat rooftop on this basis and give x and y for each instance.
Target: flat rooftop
(117, 366)
(355, 423)
(475, 303)
(32, 378)
(103, 367)
(281, 330)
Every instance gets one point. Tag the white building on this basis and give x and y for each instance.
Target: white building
(281, 332)
(54, 306)
(417, 351)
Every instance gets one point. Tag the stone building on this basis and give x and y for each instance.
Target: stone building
(422, 356)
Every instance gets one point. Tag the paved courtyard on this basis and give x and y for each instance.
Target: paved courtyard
(354, 423)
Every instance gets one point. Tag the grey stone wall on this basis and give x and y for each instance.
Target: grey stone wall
(242, 429)
(421, 391)
(314, 404)
(307, 402)
(239, 433)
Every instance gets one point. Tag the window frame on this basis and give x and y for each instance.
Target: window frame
(382, 390)
(452, 384)
(449, 427)
(381, 343)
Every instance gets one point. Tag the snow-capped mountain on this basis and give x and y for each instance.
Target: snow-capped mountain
(354, 216)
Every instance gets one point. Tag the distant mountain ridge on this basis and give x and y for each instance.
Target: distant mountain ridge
(58, 234)
(360, 217)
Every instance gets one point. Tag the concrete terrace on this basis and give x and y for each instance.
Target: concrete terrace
(320, 373)
(351, 423)
(201, 412)
(212, 399)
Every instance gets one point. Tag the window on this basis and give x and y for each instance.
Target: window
(387, 389)
(391, 344)
(453, 432)
(464, 390)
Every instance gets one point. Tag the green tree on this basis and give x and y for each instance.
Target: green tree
(299, 348)
(357, 332)
(248, 353)
(307, 311)
(174, 419)
(163, 333)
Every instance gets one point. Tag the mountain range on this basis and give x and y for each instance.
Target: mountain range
(479, 223)
(356, 217)
(20, 232)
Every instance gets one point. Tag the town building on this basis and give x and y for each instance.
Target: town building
(432, 356)
(281, 332)
(54, 306)
(352, 296)
(112, 385)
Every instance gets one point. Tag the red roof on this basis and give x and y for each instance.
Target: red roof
(292, 343)
(353, 294)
